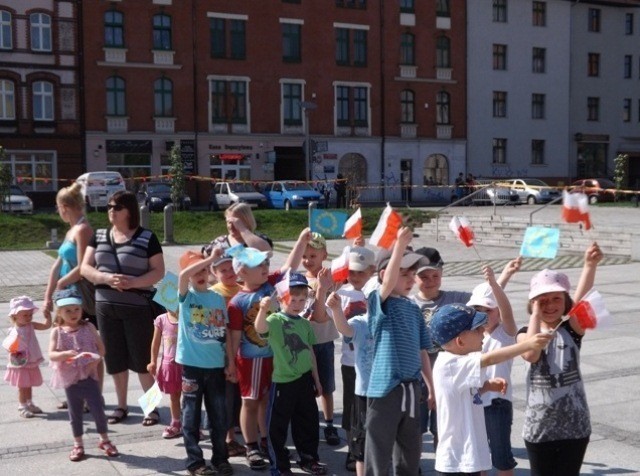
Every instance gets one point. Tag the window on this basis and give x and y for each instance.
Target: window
(407, 6)
(499, 104)
(42, 101)
(359, 47)
(7, 100)
(407, 107)
(499, 151)
(40, 32)
(443, 108)
(626, 110)
(218, 37)
(238, 39)
(114, 29)
(628, 23)
(594, 64)
(163, 97)
(499, 57)
(228, 102)
(352, 105)
(342, 46)
(291, 42)
(594, 20)
(235, 46)
(360, 107)
(407, 49)
(443, 8)
(443, 52)
(116, 96)
(593, 109)
(537, 152)
(539, 14)
(161, 32)
(537, 106)
(344, 55)
(291, 99)
(351, 3)
(34, 171)
(539, 60)
(628, 66)
(500, 11)
(6, 31)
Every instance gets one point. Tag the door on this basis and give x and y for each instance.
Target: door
(222, 195)
(405, 179)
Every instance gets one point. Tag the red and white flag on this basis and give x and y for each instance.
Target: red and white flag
(575, 208)
(353, 226)
(282, 288)
(384, 236)
(591, 312)
(13, 343)
(462, 228)
(340, 266)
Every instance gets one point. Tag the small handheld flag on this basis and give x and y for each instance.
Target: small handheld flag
(462, 229)
(540, 242)
(282, 288)
(590, 311)
(384, 236)
(353, 226)
(340, 266)
(575, 208)
(326, 222)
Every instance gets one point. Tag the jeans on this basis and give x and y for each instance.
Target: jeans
(207, 384)
(498, 418)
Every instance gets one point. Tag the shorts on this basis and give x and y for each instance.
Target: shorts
(498, 420)
(348, 394)
(358, 431)
(254, 376)
(127, 332)
(169, 377)
(325, 354)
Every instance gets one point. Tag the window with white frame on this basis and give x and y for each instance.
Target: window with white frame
(163, 97)
(228, 101)
(7, 100)
(443, 108)
(34, 171)
(6, 30)
(499, 151)
(227, 36)
(537, 152)
(407, 107)
(43, 109)
(116, 96)
(40, 24)
(352, 106)
(162, 32)
(291, 100)
(351, 46)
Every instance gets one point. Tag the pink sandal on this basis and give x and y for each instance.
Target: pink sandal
(108, 448)
(77, 453)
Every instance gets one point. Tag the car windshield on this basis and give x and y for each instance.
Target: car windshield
(159, 188)
(535, 182)
(242, 187)
(109, 178)
(300, 186)
(15, 190)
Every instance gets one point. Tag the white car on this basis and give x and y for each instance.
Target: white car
(225, 194)
(17, 202)
(532, 191)
(97, 187)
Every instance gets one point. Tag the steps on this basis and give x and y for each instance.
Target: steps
(508, 231)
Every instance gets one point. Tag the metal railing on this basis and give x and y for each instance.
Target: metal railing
(462, 200)
(555, 200)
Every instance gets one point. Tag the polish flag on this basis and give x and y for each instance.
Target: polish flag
(462, 228)
(353, 226)
(384, 236)
(340, 266)
(282, 288)
(591, 312)
(575, 208)
(12, 343)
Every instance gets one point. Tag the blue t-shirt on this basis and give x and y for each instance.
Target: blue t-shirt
(202, 330)
(362, 350)
(399, 333)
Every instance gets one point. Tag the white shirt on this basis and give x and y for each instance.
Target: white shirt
(497, 340)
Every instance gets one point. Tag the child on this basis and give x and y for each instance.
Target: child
(557, 425)
(75, 349)
(295, 380)
(460, 379)
(23, 369)
(202, 346)
(500, 331)
(253, 354)
(169, 376)
(323, 327)
(399, 335)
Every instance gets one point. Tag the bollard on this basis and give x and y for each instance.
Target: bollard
(144, 216)
(53, 244)
(168, 225)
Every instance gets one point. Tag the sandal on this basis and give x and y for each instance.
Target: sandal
(171, 432)
(350, 464)
(25, 412)
(63, 405)
(108, 448)
(77, 453)
(118, 415)
(151, 419)
(256, 461)
(313, 467)
(235, 449)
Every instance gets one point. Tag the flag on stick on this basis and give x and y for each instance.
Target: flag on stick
(384, 236)
(340, 266)
(462, 229)
(353, 226)
(575, 208)
(282, 288)
(591, 312)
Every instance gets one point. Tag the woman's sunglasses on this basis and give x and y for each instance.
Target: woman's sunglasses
(115, 207)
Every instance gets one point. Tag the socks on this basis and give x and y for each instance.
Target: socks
(329, 423)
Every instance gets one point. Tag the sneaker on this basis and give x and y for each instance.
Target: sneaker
(224, 468)
(331, 436)
(25, 412)
(202, 471)
(171, 432)
(313, 467)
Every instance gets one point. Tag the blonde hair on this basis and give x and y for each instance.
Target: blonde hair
(71, 196)
(244, 213)
(58, 320)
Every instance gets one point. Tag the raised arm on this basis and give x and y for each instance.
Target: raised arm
(294, 258)
(532, 355)
(325, 284)
(334, 303)
(511, 268)
(261, 325)
(592, 256)
(186, 273)
(504, 306)
(392, 272)
(250, 238)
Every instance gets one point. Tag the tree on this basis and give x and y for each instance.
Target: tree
(5, 177)
(620, 172)
(176, 172)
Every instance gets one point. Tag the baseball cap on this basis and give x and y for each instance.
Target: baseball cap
(409, 258)
(430, 259)
(247, 257)
(317, 241)
(297, 279)
(360, 258)
(449, 321)
(67, 297)
(548, 281)
(21, 303)
(189, 257)
(482, 295)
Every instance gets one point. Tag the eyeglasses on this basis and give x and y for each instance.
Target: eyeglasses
(115, 207)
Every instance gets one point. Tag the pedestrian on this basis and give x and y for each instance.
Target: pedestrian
(340, 186)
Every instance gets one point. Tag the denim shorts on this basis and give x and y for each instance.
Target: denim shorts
(326, 372)
(498, 419)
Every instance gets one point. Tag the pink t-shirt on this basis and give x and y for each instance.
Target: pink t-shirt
(67, 373)
(169, 332)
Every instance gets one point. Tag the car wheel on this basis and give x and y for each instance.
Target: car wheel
(593, 199)
(531, 200)
(287, 205)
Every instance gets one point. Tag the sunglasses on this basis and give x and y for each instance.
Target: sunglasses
(115, 207)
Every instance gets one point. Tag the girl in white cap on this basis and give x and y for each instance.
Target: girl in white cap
(23, 369)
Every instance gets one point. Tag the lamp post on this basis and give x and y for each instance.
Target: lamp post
(306, 107)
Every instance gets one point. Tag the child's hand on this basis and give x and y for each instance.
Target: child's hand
(431, 402)
(217, 253)
(404, 236)
(333, 301)
(325, 280)
(68, 355)
(151, 368)
(359, 241)
(265, 303)
(513, 266)
(593, 255)
(497, 384)
(539, 341)
(318, 386)
(305, 235)
(488, 274)
(230, 372)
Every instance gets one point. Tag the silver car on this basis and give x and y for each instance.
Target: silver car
(533, 191)
(494, 194)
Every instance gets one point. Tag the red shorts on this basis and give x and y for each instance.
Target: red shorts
(254, 376)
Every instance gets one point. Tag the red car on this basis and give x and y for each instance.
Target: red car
(597, 189)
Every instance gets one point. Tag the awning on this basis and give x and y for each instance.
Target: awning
(231, 156)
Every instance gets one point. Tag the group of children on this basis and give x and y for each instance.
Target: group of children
(244, 340)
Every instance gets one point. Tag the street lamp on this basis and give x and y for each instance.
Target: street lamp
(307, 106)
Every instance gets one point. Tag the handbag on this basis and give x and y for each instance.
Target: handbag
(18, 349)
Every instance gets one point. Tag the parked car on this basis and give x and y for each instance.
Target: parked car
(225, 194)
(156, 195)
(291, 194)
(97, 187)
(494, 195)
(532, 190)
(17, 201)
(597, 189)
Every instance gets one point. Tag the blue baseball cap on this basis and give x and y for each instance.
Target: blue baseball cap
(67, 297)
(297, 279)
(247, 257)
(449, 321)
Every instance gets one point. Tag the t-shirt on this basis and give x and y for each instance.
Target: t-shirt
(497, 340)
(290, 338)
(363, 352)
(354, 303)
(399, 333)
(462, 435)
(227, 292)
(243, 309)
(324, 331)
(556, 401)
(202, 330)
